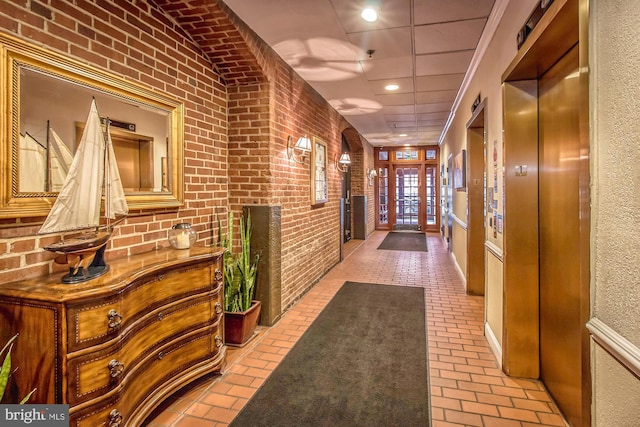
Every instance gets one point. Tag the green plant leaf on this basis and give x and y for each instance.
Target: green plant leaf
(27, 397)
(6, 367)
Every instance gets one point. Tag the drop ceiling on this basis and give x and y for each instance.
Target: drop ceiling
(423, 46)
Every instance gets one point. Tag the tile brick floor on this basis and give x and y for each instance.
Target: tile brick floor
(467, 386)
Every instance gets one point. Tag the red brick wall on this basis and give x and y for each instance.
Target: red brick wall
(137, 42)
(241, 103)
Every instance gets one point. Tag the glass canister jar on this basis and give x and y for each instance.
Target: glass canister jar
(182, 236)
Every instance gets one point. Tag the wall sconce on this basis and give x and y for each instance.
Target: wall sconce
(371, 173)
(343, 163)
(298, 151)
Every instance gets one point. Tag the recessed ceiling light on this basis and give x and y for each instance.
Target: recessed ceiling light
(403, 134)
(392, 87)
(369, 14)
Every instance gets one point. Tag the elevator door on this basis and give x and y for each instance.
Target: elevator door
(561, 328)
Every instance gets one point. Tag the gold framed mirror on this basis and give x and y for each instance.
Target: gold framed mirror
(45, 98)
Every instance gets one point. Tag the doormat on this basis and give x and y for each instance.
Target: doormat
(362, 362)
(404, 241)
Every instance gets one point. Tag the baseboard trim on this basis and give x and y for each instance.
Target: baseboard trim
(459, 270)
(494, 345)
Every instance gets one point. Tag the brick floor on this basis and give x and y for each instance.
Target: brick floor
(467, 386)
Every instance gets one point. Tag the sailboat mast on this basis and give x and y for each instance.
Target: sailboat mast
(107, 178)
(47, 175)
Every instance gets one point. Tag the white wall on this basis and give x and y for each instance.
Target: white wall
(487, 81)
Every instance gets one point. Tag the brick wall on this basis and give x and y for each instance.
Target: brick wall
(241, 103)
(137, 42)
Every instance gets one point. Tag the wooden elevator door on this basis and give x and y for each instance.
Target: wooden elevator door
(559, 213)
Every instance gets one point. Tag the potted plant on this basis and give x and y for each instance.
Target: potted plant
(241, 311)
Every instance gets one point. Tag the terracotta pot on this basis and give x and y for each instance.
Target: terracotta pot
(240, 326)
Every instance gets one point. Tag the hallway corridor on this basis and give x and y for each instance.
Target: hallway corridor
(467, 387)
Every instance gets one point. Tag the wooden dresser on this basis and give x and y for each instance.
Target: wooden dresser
(115, 347)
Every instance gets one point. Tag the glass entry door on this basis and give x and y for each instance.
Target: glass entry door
(407, 198)
(407, 189)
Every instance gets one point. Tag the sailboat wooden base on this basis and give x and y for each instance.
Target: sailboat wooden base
(84, 265)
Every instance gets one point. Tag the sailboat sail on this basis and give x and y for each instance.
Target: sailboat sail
(61, 158)
(115, 200)
(78, 203)
(32, 165)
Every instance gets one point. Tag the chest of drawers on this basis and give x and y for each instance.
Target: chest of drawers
(115, 347)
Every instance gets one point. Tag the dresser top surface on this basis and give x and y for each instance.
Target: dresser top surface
(122, 272)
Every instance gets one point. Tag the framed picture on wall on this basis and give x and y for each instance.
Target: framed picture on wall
(319, 189)
(460, 170)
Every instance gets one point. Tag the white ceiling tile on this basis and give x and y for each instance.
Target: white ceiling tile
(443, 63)
(434, 108)
(388, 68)
(433, 116)
(393, 118)
(448, 36)
(405, 86)
(439, 82)
(433, 122)
(436, 96)
(391, 14)
(395, 99)
(430, 11)
(389, 43)
(398, 109)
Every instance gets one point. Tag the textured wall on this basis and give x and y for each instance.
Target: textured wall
(615, 255)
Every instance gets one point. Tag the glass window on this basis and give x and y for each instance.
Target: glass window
(383, 196)
(407, 155)
(431, 154)
(383, 155)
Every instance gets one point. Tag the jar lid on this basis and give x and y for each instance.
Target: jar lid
(182, 225)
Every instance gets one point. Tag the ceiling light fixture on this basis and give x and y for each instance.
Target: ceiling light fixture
(369, 14)
(392, 87)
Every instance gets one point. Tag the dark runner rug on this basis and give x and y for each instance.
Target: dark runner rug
(362, 362)
(404, 241)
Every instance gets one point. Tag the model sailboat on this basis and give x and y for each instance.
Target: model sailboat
(94, 171)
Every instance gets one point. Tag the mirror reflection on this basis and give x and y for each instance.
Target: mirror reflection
(51, 121)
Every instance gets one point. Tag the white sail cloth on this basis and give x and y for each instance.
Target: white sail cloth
(32, 165)
(78, 203)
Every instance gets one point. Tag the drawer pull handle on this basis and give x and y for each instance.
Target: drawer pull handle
(115, 318)
(160, 355)
(218, 307)
(218, 341)
(160, 277)
(218, 275)
(115, 368)
(160, 316)
(115, 418)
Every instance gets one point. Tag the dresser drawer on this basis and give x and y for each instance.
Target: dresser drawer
(95, 322)
(95, 373)
(166, 370)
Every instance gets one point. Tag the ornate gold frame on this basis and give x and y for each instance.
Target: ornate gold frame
(15, 54)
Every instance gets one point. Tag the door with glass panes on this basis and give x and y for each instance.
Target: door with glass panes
(407, 189)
